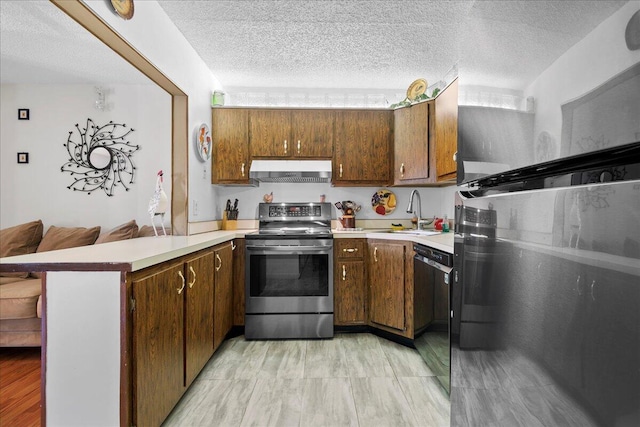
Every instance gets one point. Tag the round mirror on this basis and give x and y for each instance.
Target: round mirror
(100, 158)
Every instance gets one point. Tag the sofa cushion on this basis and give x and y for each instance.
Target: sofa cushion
(147, 231)
(18, 300)
(128, 230)
(67, 237)
(20, 240)
(20, 333)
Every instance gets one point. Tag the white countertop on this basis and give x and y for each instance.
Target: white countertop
(143, 252)
(128, 255)
(440, 241)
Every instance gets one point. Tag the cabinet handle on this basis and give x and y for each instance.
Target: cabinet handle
(219, 260)
(242, 169)
(194, 277)
(285, 146)
(183, 283)
(298, 146)
(350, 250)
(344, 272)
(375, 254)
(233, 245)
(593, 298)
(340, 170)
(402, 170)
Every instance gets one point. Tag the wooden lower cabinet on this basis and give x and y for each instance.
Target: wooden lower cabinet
(172, 335)
(158, 339)
(349, 282)
(223, 297)
(198, 314)
(390, 271)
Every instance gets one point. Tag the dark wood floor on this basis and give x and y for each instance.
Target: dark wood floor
(20, 387)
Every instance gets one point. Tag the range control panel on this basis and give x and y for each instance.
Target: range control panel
(287, 212)
(295, 211)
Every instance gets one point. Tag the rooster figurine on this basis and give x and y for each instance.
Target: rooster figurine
(158, 204)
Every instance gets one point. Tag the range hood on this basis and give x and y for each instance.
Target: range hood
(291, 170)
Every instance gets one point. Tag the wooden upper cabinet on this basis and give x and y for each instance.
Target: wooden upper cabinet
(230, 136)
(362, 147)
(312, 133)
(291, 133)
(270, 132)
(446, 133)
(411, 144)
(426, 140)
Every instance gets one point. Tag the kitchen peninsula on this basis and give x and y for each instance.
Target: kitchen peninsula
(94, 365)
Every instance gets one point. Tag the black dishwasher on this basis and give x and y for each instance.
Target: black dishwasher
(431, 270)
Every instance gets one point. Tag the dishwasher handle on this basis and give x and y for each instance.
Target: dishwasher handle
(433, 264)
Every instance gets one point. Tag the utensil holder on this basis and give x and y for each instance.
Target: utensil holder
(229, 224)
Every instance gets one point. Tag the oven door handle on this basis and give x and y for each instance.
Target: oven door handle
(291, 249)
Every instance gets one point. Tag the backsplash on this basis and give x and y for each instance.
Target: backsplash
(435, 201)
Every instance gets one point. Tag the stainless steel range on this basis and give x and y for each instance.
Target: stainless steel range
(289, 272)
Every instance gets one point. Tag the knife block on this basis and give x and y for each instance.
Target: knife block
(229, 224)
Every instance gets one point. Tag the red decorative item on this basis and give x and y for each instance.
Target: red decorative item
(438, 224)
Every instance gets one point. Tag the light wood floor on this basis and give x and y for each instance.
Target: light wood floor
(351, 380)
(20, 387)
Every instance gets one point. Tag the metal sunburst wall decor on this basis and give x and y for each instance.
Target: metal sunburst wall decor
(100, 157)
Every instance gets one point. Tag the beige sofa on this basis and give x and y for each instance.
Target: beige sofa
(20, 293)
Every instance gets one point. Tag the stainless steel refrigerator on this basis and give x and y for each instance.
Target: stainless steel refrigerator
(545, 298)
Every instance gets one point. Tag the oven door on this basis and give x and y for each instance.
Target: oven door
(289, 277)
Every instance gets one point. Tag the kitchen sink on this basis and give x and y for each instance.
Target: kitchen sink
(416, 232)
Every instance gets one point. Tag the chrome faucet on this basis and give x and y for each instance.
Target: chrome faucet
(422, 223)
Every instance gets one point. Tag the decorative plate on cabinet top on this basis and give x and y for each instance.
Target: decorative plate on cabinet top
(416, 89)
(124, 8)
(203, 142)
(383, 202)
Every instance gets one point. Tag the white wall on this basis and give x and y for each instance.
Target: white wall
(38, 190)
(601, 55)
(155, 36)
(435, 201)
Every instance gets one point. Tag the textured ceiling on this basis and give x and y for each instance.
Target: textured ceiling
(381, 44)
(41, 44)
(308, 44)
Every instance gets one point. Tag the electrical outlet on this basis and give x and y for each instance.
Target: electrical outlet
(195, 208)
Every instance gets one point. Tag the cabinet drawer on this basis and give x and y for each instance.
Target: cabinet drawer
(349, 248)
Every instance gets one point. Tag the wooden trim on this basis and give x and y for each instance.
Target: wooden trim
(43, 353)
(93, 23)
(125, 351)
(64, 266)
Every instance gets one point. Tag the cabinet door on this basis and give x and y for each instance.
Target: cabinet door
(223, 298)
(349, 293)
(238, 282)
(199, 314)
(362, 148)
(387, 284)
(230, 136)
(158, 363)
(446, 130)
(611, 345)
(270, 133)
(411, 144)
(312, 135)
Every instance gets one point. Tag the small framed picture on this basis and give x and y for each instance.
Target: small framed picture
(23, 157)
(23, 114)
